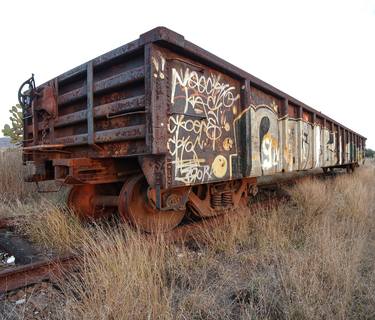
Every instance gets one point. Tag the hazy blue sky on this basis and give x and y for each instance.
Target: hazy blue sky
(321, 52)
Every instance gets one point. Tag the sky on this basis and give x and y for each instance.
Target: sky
(321, 52)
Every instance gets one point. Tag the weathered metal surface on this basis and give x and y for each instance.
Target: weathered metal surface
(118, 134)
(91, 171)
(180, 115)
(90, 104)
(221, 197)
(198, 135)
(92, 201)
(112, 109)
(25, 275)
(136, 207)
(115, 81)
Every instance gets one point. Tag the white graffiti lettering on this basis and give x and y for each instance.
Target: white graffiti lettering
(203, 114)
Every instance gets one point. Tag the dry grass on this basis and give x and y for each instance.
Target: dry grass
(122, 276)
(53, 226)
(18, 197)
(312, 258)
(12, 172)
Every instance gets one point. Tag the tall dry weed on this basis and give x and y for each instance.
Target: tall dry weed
(51, 226)
(312, 258)
(122, 277)
(18, 197)
(12, 173)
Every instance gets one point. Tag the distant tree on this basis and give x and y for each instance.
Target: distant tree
(15, 129)
(369, 153)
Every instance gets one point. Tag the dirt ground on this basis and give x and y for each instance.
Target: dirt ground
(40, 301)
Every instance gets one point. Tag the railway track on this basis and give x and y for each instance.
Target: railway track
(51, 269)
(25, 275)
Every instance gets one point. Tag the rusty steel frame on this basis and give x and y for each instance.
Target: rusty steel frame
(171, 38)
(105, 120)
(166, 38)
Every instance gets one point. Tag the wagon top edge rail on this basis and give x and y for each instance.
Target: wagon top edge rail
(177, 42)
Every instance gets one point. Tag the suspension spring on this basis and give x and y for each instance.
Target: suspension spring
(227, 198)
(216, 200)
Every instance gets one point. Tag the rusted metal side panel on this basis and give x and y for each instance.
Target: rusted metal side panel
(283, 127)
(195, 113)
(363, 148)
(266, 135)
(181, 114)
(347, 147)
(318, 150)
(335, 147)
(292, 144)
(100, 104)
(352, 147)
(339, 146)
(330, 145)
(97, 110)
(307, 145)
(153, 165)
(160, 82)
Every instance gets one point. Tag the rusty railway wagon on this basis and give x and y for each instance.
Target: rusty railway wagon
(160, 127)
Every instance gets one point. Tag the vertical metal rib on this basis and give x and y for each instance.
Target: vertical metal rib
(246, 127)
(90, 104)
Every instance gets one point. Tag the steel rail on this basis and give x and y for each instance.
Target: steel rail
(36, 272)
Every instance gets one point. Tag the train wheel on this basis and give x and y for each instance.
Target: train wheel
(135, 207)
(83, 200)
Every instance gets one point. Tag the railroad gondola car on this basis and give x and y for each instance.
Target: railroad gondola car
(160, 127)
